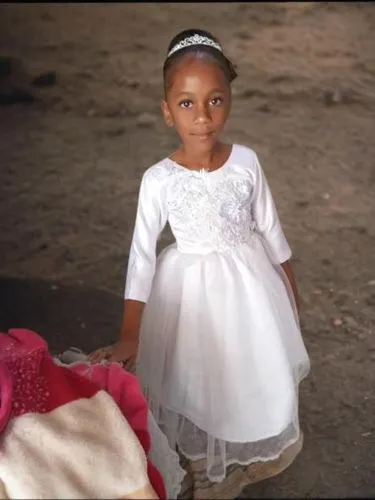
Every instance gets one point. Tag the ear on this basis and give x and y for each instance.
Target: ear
(166, 113)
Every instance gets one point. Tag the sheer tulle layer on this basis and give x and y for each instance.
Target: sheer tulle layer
(221, 356)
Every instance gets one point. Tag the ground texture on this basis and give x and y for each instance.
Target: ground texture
(74, 144)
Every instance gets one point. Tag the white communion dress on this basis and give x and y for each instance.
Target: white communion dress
(221, 353)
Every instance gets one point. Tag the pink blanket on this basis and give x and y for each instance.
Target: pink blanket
(78, 432)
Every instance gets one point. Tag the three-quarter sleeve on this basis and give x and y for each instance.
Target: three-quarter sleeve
(150, 220)
(266, 217)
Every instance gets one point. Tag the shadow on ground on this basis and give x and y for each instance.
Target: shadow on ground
(64, 315)
(338, 456)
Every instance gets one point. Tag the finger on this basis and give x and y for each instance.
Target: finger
(122, 361)
(98, 354)
(130, 360)
(130, 364)
(93, 355)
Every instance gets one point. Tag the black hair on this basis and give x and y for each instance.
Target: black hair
(218, 57)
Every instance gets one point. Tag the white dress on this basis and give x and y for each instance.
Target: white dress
(221, 353)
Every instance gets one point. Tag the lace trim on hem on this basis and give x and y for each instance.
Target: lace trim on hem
(219, 479)
(299, 377)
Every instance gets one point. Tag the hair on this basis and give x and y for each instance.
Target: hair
(200, 50)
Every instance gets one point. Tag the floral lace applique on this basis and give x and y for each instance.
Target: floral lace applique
(213, 211)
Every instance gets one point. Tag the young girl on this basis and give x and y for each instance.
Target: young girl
(218, 346)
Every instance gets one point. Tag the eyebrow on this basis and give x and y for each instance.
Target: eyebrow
(191, 94)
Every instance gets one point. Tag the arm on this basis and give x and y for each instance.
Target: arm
(266, 217)
(269, 226)
(150, 220)
(287, 267)
(131, 320)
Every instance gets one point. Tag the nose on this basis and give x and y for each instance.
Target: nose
(202, 114)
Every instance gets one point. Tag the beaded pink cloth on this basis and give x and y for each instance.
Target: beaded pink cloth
(33, 388)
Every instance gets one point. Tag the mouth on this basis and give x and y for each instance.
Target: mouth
(203, 136)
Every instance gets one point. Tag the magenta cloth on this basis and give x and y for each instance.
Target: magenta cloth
(31, 382)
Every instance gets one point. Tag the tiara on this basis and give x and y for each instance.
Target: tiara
(194, 40)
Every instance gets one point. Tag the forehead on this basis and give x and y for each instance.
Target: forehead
(196, 71)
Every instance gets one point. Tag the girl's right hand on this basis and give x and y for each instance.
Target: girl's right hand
(122, 351)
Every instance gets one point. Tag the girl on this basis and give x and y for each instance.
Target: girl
(218, 346)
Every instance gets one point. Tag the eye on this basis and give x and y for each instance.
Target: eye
(216, 101)
(186, 104)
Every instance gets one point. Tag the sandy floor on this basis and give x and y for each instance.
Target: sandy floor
(72, 160)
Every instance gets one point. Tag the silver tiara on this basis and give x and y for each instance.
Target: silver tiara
(194, 40)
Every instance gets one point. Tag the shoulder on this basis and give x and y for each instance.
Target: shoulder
(154, 180)
(246, 159)
(245, 153)
(158, 173)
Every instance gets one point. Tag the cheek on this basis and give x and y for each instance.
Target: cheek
(182, 118)
(220, 114)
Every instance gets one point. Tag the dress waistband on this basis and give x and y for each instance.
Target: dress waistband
(206, 249)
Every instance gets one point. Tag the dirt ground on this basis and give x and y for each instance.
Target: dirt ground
(71, 162)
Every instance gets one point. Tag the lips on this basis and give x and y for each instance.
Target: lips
(203, 135)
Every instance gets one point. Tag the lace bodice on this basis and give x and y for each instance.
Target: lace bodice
(207, 211)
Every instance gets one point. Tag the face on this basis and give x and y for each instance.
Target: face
(197, 102)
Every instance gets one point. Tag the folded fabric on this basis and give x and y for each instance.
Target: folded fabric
(61, 435)
(125, 390)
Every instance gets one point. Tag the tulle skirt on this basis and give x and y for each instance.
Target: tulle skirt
(221, 356)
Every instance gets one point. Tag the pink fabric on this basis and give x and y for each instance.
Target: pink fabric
(6, 391)
(38, 384)
(30, 381)
(19, 356)
(125, 390)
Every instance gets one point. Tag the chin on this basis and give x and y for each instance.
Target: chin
(204, 144)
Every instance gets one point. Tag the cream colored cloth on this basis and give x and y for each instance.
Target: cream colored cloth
(84, 449)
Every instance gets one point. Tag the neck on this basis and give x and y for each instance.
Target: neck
(199, 159)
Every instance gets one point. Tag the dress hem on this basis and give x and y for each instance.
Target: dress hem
(219, 479)
(154, 402)
(229, 462)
